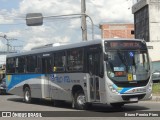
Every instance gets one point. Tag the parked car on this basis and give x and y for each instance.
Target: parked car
(3, 86)
(156, 76)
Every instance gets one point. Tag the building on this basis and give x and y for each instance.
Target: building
(147, 20)
(147, 26)
(114, 30)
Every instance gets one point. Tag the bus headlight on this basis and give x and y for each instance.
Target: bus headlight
(114, 90)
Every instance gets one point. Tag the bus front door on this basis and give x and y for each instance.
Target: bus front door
(46, 70)
(93, 64)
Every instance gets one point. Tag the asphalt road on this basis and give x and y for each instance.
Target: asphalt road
(15, 103)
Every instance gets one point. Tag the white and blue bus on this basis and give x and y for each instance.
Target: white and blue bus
(112, 71)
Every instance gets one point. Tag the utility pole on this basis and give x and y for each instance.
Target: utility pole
(14, 48)
(83, 20)
(8, 44)
(5, 37)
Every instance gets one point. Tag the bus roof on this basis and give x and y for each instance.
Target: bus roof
(67, 46)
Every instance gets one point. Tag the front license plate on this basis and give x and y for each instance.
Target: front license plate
(133, 99)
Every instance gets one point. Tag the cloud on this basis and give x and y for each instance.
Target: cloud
(65, 29)
(52, 7)
(2, 46)
(38, 36)
(35, 41)
(2, 59)
(13, 34)
(4, 17)
(110, 11)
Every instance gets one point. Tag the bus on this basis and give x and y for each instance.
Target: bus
(112, 71)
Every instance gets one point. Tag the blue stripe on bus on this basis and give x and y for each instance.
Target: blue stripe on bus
(124, 90)
(13, 80)
(121, 90)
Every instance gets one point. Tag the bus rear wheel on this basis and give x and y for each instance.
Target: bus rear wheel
(27, 95)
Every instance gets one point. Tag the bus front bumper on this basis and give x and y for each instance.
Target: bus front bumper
(128, 98)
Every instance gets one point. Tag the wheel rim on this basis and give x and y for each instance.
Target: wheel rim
(81, 100)
(27, 95)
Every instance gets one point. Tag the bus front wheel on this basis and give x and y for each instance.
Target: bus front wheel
(80, 101)
(27, 95)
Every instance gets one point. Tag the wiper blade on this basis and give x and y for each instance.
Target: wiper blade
(123, 60)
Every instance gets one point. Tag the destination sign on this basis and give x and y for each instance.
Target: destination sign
(125, 45)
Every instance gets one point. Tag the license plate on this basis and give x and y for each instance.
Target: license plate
(133, 99)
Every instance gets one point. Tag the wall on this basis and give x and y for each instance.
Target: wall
(113, 30)
(154, 20)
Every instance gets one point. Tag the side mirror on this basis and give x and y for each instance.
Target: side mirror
(105, 57)
(34, 19)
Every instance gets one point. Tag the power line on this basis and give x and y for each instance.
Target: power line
(62, 19)
(56, 17)
(8, 18)
(8, 44)
(48, 19)
(12, 23)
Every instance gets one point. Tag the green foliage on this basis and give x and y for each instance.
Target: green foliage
(156, 89)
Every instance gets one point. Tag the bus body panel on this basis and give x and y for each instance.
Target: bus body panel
(15, 84)
(58, 85)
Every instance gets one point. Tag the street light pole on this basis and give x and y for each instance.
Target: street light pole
(83, 20)
(92, 26)
(84, 14)
(58, 16)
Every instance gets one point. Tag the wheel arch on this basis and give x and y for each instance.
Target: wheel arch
(26, 85)
(76, 88)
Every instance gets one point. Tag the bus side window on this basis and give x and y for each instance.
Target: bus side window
(31, 63)
(95, 64)
(38, 68)
(59, 62)
(101, 69)
(90, 64)
(10, 65)
(20, 64)
(94, 60)
(75, 59)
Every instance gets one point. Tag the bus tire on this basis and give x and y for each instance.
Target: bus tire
(80, 101)
(27, 95)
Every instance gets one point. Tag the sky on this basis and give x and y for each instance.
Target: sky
(64, 30)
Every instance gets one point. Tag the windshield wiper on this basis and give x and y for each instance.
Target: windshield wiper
(123, 60)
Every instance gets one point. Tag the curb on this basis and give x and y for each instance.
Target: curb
(155, 98)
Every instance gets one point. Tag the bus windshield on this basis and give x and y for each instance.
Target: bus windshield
(128, 65)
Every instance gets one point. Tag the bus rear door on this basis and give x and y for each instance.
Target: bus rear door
(46, 70)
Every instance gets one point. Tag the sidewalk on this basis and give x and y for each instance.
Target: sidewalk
(155, 98)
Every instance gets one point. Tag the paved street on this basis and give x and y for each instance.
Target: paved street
(15, 103)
